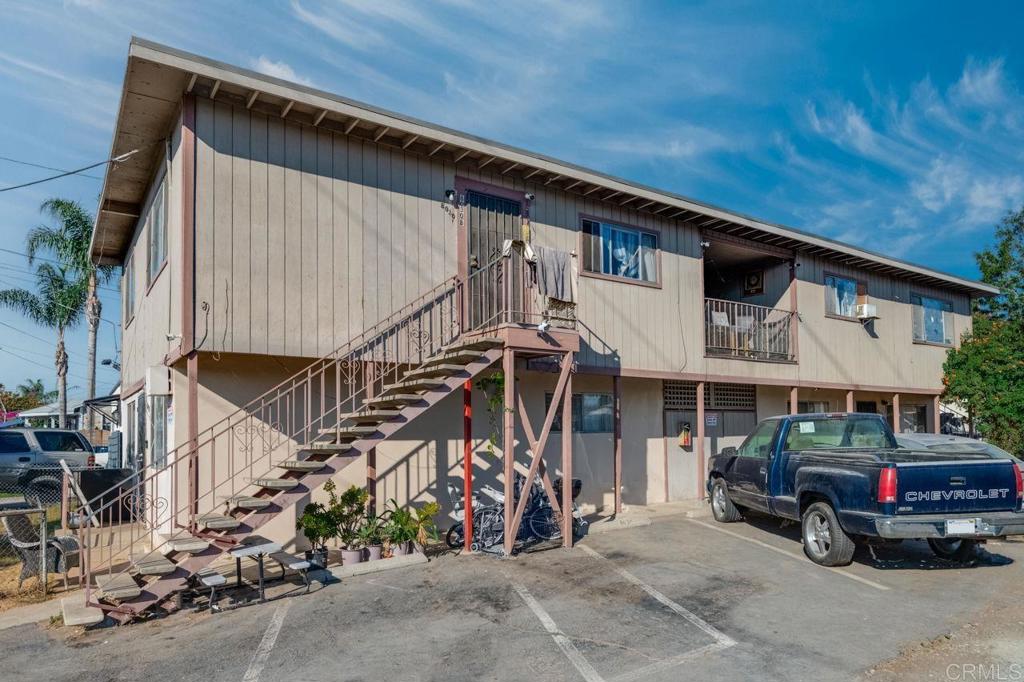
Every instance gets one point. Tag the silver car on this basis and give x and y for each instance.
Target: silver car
(30, 461)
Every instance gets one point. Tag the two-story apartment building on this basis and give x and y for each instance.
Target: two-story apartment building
(274, 236)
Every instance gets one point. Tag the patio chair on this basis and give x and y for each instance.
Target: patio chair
(61, 551)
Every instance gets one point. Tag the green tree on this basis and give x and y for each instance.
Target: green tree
(69, 242)
(986, 373)
(57, 303)
(33, 389)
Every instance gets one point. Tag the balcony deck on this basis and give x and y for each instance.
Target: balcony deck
(749, 332)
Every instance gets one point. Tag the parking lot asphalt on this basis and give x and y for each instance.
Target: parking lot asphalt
(681, 598)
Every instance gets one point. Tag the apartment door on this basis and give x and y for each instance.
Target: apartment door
(490, 220)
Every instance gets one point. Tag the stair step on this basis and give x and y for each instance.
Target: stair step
(121, 586)
(349, 433)
(474, 343)
(393, 400)
(152, 563)
(458, 357)
(275, 483)
(188, 545)
(300, 465)
(413, 385)
(438, 370)
(248, 502)
(326, 448)
(371, 417)
(214, 521)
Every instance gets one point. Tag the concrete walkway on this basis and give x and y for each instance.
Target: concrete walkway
(637, 515)
(35, 613)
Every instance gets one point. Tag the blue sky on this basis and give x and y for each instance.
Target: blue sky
(896, 126)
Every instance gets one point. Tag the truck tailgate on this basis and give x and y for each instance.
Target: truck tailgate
(956, 487)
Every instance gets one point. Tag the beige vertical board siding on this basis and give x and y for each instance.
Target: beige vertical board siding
(355, 253)
(308, 245)
(144, 339)
(205, 221)
(259, 236)
(325, 262)
(339, 242)
(240, 310)
(292, 255)
(276, 288)
(356, 230)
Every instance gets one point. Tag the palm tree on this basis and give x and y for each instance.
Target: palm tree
(57, 304)
(35, 390)
(69, 242)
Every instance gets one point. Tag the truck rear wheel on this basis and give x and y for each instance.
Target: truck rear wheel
(825, 541)
(953, 549)
(722, 507)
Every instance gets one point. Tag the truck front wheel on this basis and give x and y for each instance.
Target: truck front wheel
(722, 507)
(953, 549)
(825, 542)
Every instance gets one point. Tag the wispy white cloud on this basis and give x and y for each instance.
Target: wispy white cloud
(278, 69)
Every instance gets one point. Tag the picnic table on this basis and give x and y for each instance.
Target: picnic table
(256, 548)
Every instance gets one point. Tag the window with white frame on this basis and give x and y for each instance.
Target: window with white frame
(618, 251)
(842, 295)
(933, 320)
(591, 413)
(156, 221)
(158, 430)
(128, 288)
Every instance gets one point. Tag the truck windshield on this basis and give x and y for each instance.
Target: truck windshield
(838, 432)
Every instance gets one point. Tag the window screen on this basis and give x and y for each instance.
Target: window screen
(591, 413)
(841, 295)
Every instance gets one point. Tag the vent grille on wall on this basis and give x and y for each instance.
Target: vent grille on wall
(682, 395)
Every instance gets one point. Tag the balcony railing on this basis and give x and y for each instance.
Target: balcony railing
(749, 332)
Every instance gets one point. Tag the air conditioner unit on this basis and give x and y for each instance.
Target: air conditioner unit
(867, 311)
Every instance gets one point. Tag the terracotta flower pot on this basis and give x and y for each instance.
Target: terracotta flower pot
(374, 552)
(351, 556)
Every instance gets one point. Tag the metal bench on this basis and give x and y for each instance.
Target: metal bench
(295, 563)
(208, 577)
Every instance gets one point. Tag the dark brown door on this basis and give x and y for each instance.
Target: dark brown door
(490, 221)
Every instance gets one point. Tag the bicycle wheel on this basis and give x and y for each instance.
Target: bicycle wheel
(543, 524)
(489, 528)
(455, 537)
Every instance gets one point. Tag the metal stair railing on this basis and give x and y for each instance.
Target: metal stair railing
(132, 515)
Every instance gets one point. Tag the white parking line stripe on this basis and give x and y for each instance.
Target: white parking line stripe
(259, 658)
(648, 670)
(563, 642)
(792, 555)
(720, 637)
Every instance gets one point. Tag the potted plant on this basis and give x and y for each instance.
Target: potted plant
(318, 524)
(405, 526)
(348, 509)
(371, 536)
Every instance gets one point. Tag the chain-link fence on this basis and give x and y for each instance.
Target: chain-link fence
(37, 513)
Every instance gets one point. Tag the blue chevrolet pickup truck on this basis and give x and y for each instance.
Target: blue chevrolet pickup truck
(844, 478)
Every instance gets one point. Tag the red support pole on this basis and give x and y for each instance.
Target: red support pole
(467, 461)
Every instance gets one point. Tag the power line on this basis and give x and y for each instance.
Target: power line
(116, 159)
(37, 165)
(29, 275)
(65, 307)
(39, 364)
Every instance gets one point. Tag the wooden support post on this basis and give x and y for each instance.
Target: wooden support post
(508, 444)
(896, 412)
(794, 400)
(567, 458)
(700, 440)
(849, 401)
(467, 462)
(936, 414)
(617, 465)
(193, 434)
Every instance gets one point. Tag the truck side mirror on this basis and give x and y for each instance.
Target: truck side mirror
(728, 452)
